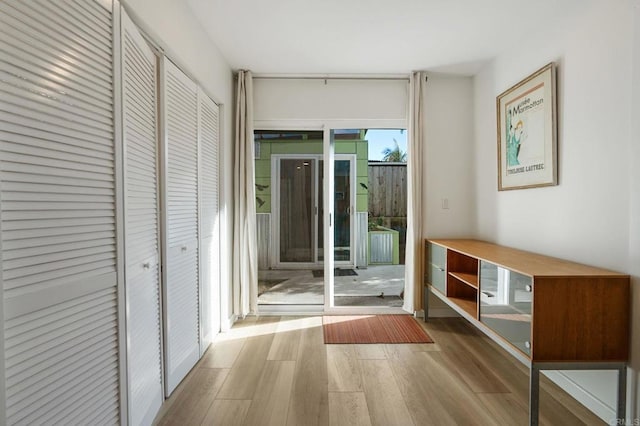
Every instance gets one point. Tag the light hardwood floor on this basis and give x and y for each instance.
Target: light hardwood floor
(278, 371)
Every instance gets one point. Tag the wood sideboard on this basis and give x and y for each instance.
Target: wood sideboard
(549, 313)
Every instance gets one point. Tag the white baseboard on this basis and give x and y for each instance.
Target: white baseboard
(599, 408)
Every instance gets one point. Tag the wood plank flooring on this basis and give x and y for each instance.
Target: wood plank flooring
(278, 371)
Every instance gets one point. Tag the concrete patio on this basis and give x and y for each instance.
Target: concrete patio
(300, 287)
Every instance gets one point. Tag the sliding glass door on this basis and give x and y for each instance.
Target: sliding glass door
(289, 217)
(343, 208)
(297, 210)
(300, 199)
(369, 212)
(346, 249)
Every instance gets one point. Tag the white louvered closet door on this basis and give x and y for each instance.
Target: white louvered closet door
(141, 233)
(181, 308)
(208, 116)
(58, 213)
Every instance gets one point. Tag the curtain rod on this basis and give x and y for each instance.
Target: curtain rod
(331, 77)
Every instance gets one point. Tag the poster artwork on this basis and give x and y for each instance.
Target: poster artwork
(525, 132)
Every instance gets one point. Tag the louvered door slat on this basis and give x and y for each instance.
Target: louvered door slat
(87, 15)
(36, 137)
(182, 347)
(52, 81)
(62, 67)
(92, 405)
(58, 222)
(209, 226)
(30, 187)
(15, 46)
(44, 393)
(64, 370)
(140, 138)
(78, 390)
(95, 36)
(53, 256)
(38, 30)
(23, 231)
(29, 252)
(57, 212)
(93, 11)
(15, 97)
(59, 127)
(48, 104)
(43, 115)
(85, 26)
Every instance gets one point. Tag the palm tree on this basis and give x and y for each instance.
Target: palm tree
(395, 155)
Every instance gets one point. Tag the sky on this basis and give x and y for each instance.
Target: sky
(379, 139)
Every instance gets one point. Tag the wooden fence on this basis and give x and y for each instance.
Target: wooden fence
(388, 198)
(388, 190)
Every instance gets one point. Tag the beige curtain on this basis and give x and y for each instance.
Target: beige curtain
(245, 260)
(415, 171)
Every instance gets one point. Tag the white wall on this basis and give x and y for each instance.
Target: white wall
(172, 25)
(448, 162)
(448, 157)
(634, 214)
(586, 218)
(309, 101)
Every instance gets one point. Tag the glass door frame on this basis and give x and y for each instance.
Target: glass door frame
(275, 223)
(328, 149)
(329, 218)
(328, 157)
(316, 186)
(352, 207)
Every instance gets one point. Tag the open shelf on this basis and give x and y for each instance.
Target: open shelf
(469, 279)
(469, 306)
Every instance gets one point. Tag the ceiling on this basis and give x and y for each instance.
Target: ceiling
(373, 36)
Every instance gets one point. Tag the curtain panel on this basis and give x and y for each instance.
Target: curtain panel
(414, 272)
(245, 260)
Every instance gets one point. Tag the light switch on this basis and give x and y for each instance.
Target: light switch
(445, 203)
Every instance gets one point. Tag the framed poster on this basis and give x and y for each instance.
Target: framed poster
(527, 146)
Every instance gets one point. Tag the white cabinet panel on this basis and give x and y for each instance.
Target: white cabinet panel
(142, 276)
(58, 214)
(208, 122)
(181, 286)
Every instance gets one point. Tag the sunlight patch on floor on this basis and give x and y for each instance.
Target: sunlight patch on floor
(249, 328)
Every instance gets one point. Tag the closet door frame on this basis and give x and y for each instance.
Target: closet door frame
(3, 395)
(165, 73)
(201, 311)
(123, 197)
(163, 166)
(214, 283)
(120, 195)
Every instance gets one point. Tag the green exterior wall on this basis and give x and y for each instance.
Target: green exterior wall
(359, 147)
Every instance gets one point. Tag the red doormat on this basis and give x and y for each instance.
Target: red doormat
(373, 329)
